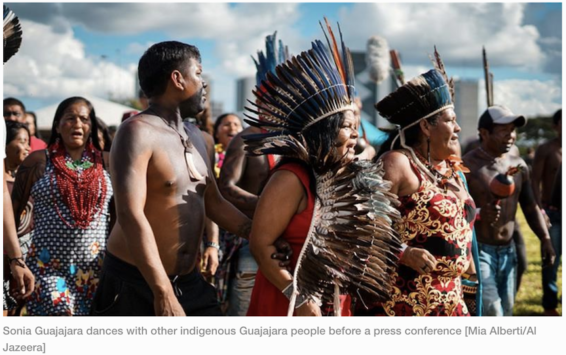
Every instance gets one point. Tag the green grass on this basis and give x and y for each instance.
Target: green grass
(529, 298)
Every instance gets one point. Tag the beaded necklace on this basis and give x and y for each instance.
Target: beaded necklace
(442, 179)
(81, 184)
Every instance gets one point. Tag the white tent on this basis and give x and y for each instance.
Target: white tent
(110, 112)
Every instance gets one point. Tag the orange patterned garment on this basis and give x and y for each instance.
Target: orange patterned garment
(441, 224)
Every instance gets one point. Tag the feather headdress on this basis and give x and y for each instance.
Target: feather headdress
(12, 34)
(422, 97)
(299, 93)
(351, 246)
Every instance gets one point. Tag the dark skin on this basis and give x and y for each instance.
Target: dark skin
(241, 181)
(497, 219)
(546, 163)
(161, 206)
(210, 257)
(243, 177)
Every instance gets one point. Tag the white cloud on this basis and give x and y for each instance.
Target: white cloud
(138, 49)
(458, 30)
(54, 65)
(526, 97)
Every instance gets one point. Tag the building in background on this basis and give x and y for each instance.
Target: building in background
(466, 108)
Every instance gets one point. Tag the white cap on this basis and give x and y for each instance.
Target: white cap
(502, 115)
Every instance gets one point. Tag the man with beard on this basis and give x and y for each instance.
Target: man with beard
(497, 202)
(163, 186)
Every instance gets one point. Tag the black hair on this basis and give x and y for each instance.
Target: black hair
(10, 101)
(59, 114)
(159, 61)
(103, 127)
(218, 122)
(557, 117)
(412, 136)
(12, 129)
(32, 114)
(320, 141)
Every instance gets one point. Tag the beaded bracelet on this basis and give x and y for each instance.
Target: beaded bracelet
(212, 245)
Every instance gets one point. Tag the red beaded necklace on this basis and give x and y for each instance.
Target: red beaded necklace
(82, 188)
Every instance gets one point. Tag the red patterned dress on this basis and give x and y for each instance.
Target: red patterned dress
(442, 224)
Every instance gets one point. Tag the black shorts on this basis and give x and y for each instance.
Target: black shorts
(122, 291)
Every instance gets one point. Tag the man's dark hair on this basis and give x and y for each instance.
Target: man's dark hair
(557, 117)
(10, 101)
(159, 61)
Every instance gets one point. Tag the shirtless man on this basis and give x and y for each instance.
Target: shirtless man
(547, 162)
(494, 227)
(163, 186)
(242, 179)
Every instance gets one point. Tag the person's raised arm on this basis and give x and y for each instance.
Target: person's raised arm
(129, 161)
(535, 219)
(231, 174)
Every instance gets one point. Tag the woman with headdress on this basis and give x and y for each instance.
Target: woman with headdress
(316, 199)
(71, 192)
(437, 213)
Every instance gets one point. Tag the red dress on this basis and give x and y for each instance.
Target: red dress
(442, 224)
(267, 300)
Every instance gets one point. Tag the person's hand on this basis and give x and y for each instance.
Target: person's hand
(418, 259)
(210, 261)
(168, 306)
(23, 279)
(283, 253)
(491, 212)
(309, 309)
(547, 252)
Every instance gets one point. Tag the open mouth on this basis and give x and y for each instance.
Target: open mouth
(77, 134)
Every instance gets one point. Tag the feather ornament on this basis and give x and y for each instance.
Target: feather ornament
(350, 244)
(299, 92)
(12, 34)
(439, 65)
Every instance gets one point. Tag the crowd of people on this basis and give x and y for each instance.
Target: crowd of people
(287, 216)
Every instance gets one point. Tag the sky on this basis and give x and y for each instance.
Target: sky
(71, 49)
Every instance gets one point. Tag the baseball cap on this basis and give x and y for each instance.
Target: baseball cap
(500, 115)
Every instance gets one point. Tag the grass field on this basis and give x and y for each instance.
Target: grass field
(529, 297)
